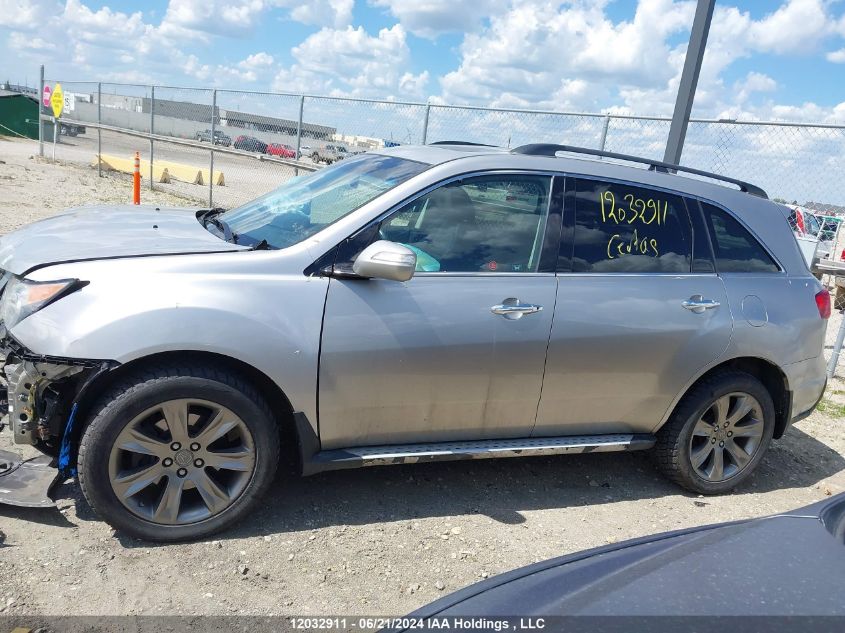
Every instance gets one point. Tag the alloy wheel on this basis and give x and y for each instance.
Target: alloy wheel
(726, 437)
(181, 461)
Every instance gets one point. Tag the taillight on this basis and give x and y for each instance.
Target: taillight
(842, 256)
(823, 303)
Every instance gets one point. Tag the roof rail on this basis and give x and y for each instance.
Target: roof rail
(462, 143)
(550, 149)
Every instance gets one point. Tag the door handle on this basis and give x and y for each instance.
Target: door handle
(512, 309)
(699, 304)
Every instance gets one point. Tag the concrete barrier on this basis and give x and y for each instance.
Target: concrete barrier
(163, 171)
(127, 166)
(195, 175)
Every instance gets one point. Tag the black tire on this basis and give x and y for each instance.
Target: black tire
(146, 388)
(315, 158)
(673, 449)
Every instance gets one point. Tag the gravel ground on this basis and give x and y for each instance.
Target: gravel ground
(377, 541)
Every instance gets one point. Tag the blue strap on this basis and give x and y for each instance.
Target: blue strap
(67, 455)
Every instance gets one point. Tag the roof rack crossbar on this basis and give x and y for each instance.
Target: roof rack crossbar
(551, 149)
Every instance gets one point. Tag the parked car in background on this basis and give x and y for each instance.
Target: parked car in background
(411, 304)
(722, 570)
(71, 129)
(806, 229)
(250, 143)
(330, 153)
(829, 226)
(280, 149)
(220, 138)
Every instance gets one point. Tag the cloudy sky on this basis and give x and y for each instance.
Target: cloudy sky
(780, 59)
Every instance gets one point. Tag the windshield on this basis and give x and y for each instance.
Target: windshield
(303, 206)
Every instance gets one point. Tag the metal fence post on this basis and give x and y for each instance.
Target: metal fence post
(99, 131)
(152, 130)
(603, 140)
(837, 349)
(425, 123)
(299, 132)
(211, 152)
(40, 106)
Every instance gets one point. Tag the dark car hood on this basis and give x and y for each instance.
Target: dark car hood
(101, 232)
(783, 565)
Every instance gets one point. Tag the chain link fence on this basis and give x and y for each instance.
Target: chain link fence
(225, 147)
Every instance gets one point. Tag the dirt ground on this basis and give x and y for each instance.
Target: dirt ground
(377, 541)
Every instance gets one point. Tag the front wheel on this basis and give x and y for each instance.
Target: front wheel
(717, 434)
(178, 453)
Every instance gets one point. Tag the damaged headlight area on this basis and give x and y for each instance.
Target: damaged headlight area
(23, 297)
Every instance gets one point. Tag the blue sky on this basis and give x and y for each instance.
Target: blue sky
(776, 59)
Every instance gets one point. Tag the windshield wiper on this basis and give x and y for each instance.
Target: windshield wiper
(228, 234)
(210, 217)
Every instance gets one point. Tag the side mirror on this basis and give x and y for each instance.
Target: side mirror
(386, 260)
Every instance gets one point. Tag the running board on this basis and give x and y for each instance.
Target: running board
(480, 449)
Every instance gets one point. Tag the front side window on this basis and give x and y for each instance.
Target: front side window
(735, 249)
(479, 224)
(303, 206)
(626, 229)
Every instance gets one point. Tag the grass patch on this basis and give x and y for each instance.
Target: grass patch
(833, 409)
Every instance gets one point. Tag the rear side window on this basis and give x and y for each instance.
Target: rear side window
(734, 248)
(625, 229)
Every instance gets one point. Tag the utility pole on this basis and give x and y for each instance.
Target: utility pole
(689, 81)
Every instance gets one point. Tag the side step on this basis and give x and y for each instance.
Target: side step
(479, 449)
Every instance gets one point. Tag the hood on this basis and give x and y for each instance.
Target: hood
(103, 232)
(790, 564)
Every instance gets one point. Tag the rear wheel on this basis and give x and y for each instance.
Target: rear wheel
(178, 453)
(717, 434)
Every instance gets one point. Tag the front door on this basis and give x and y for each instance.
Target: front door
(640, 310)
(458, 351)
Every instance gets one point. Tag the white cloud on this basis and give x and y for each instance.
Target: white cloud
(333, 13)
(571, 55)
(350, 61)
(247, 70)
(257, 60)
(430, 18)
(24, 13)
(19, 41)
(794, 27)
(240, 17)
(837, 57)
(220, 17)
(533, 53)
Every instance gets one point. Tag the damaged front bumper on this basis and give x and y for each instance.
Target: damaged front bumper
(39, 392)
(41, 398)
(27, 483)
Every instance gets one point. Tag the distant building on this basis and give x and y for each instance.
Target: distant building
(181, 110)
(261, 123)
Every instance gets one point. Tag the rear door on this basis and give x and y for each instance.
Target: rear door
(640, 310)
(458, 351)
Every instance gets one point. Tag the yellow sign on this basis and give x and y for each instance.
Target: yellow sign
(57, 101)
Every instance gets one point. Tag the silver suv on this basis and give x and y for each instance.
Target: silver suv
(329, 154)
(408, 305)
